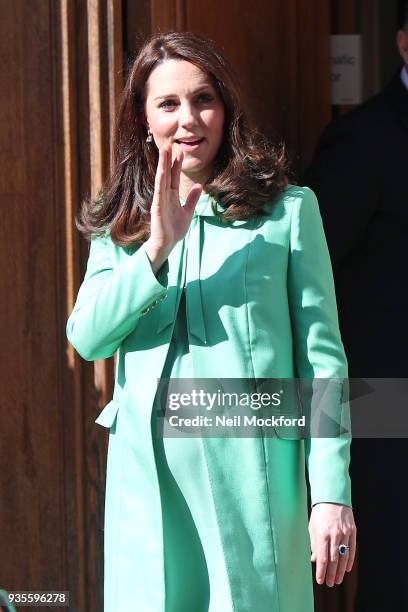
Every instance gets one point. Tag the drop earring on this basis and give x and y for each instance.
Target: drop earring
(149, 136)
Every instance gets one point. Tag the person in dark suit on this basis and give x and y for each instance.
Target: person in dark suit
(359, 175)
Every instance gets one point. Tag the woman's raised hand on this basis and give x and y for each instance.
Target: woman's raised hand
(169, 221)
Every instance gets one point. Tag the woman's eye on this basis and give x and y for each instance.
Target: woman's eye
(205, 98)
(167, 104)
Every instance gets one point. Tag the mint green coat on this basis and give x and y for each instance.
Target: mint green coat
(260, 304)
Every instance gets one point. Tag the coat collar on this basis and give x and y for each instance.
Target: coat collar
(204, 206)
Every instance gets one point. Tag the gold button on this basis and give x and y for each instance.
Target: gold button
(163, 297)
(145, 311)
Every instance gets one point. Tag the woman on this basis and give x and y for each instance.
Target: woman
(205, 263)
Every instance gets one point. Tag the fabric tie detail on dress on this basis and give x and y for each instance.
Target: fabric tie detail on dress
(195, 316)
(189, 260)
(195, 237)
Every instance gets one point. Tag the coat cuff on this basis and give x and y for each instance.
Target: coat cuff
(328, 463)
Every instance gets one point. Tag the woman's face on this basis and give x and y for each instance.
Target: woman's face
(183, 109)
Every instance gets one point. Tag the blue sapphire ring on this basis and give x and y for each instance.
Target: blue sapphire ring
(343, 549)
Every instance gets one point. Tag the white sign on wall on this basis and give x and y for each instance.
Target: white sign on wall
(346, 69)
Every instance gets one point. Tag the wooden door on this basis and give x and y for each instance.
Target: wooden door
(61, 72)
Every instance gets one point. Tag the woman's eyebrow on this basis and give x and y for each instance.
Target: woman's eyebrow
(196, 91)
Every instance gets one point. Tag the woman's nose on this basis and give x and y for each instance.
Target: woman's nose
(187, 115)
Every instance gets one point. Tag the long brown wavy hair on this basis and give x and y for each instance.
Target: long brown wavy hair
(247, 172)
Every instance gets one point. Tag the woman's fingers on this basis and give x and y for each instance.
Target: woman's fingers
(160, 178)
(339, 564)
(342, 564)
(168, 168)
(322, 557)
(313, 556)
(176, 172)
(335, 558)
(171, 219)
(164, 172)
(193, 198)
(352, 552)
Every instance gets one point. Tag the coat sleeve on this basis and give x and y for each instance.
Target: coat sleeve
(318, 349)
(111, 299)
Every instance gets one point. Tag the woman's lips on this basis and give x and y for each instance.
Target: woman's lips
(191, 145)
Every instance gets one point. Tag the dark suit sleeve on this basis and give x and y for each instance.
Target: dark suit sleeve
(345, 175)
